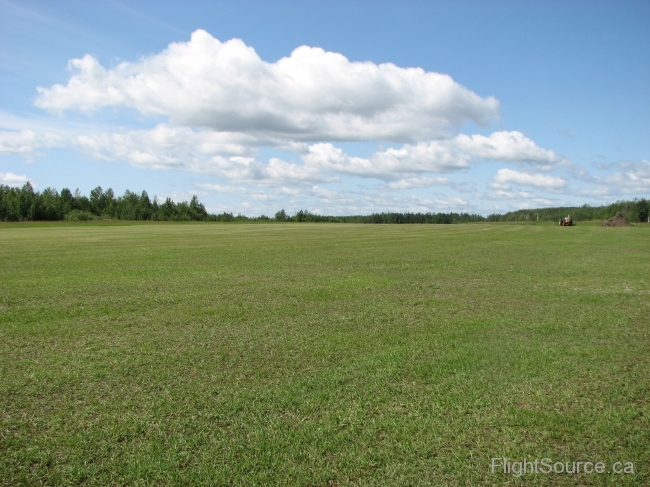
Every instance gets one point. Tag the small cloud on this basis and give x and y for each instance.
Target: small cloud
(511, 146)
(290, 191)
(11, 179)
(26, 142)
(419, 182)
(633, 179)
(505, 177)
(329, 196)
(220, 188)
(261, 196)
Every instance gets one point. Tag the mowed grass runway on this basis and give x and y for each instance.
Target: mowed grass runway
(321, 354)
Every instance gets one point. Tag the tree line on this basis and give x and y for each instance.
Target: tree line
(305, 216)
(636, 210)
(25, 204)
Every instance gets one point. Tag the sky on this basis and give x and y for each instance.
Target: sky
(337, 107)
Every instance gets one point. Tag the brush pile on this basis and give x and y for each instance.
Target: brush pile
(616, 221)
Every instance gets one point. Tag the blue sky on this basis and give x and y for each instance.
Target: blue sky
(333, 107)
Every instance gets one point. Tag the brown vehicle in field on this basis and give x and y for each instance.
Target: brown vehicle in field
(566, 222)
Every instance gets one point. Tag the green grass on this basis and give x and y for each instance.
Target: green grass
(321, 354)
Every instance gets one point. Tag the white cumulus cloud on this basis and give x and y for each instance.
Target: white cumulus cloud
(438, 156)
(234, 156)
(164, 147)
(310, 95)
(505, 146)
(504, 177)
(27, 141)
(633, 179)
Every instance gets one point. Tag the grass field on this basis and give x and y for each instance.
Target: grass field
(321, 354)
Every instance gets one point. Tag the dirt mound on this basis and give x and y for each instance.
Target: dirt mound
(616, 221)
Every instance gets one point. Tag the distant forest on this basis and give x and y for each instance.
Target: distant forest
(25, 204)
(633, 211)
